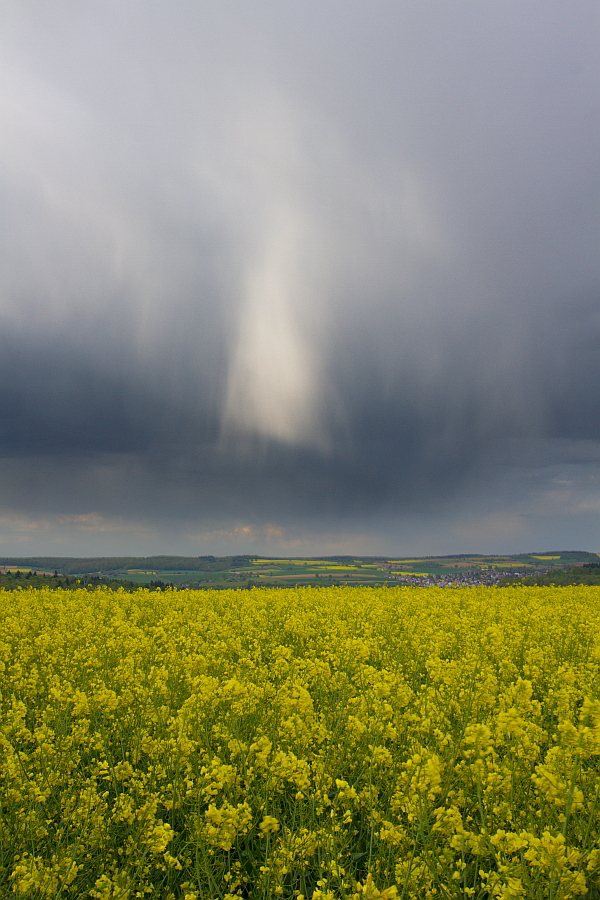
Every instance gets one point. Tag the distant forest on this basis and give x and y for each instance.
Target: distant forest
(588, 573)
(13, 580)
(69, 565)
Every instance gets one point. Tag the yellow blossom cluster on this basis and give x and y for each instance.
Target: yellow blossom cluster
(328, 743)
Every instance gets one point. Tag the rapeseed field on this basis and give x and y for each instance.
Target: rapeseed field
(302, 743)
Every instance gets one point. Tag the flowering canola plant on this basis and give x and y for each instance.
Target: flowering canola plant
(359, 743)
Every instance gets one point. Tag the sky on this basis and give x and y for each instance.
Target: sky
(309, 278)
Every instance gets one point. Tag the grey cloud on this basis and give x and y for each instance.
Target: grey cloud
(318, 269)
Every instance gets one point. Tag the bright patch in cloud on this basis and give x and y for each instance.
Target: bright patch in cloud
(272, 388)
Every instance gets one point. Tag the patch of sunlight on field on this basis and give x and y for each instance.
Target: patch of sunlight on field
(403, 562)
(417, 574)
(325, 743)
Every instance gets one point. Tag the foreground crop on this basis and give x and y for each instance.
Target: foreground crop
(329, 743)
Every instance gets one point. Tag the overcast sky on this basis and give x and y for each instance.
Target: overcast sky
(304, 278)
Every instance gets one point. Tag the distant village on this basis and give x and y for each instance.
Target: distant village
(469, 578)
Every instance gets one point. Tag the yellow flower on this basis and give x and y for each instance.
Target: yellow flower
(268, 825)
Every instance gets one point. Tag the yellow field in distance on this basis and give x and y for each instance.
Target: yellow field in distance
(399, 562)
(314, 564)
(294, 562)
(417, 574)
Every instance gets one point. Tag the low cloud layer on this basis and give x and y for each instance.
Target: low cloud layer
(321, 280)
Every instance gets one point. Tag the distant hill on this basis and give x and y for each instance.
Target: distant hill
(73, 565)
(588, 573)
(182, 566)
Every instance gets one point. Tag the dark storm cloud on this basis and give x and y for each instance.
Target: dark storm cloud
(270, 274)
